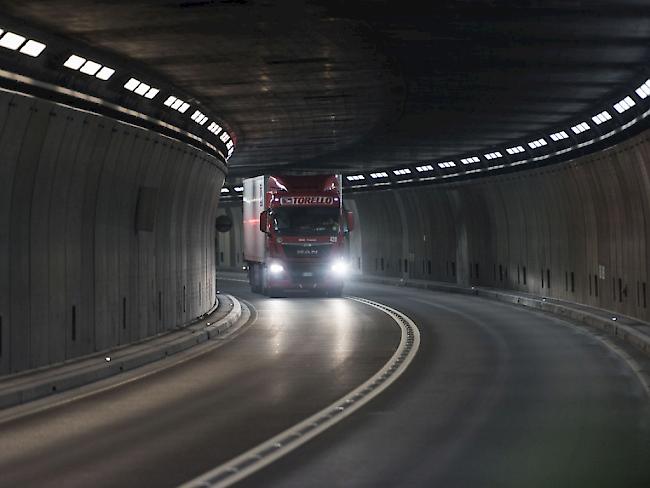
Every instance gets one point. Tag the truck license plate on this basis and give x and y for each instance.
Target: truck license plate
(308, 273)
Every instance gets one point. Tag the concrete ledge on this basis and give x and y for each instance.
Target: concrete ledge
(597, 318)
(31, 385)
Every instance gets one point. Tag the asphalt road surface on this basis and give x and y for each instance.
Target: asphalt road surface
(497, 396)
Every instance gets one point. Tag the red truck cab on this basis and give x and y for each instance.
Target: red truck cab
(295, 234)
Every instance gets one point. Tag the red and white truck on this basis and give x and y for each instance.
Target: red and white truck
(295, 234)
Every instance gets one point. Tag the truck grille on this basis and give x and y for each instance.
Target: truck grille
(304, 251)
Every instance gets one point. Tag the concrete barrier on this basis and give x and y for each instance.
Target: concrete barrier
(31, 385)
(597, 318)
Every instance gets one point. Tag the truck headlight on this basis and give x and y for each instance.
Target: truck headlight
(276, 268)
(339, 268)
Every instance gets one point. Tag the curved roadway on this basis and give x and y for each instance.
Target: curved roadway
(497, 396)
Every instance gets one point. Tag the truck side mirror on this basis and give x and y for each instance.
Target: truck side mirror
(350, 220)
(264, 221)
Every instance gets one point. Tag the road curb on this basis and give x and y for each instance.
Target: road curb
(612, 327)
(114, 362)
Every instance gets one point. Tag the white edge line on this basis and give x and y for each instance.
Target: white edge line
(280, 449)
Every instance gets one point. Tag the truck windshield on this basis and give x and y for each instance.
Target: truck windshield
(306, 221)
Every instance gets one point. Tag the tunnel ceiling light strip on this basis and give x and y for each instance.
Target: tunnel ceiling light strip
(239, 189)
(177, 104)
(381, 174)
(470, 160)
(537, 143)
(625, 104)
(447, 164)
(33, 48)
(603, 116)
(355, 177)
(88, 67)
(199, 117)
(426, 167)
(402, 171)
(225, 190)
(141, 88)
(515, 150)
(225, 137)
(214, 128)
(12, 41)
(558, 136)
(493, 155)
(644, 90)
(580, 128)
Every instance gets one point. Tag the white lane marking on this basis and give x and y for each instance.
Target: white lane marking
(285, 442)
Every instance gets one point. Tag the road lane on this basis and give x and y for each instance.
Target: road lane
(299, 356)
(497, 396)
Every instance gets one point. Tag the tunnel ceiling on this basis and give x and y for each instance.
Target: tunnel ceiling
(314, 85)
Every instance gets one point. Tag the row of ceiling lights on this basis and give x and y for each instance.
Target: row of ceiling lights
(31, 47)
(604, 116)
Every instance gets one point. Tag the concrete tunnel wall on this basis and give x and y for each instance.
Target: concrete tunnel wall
(584, 224)
(106, 232)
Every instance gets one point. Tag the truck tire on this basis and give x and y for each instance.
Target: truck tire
(256, 278)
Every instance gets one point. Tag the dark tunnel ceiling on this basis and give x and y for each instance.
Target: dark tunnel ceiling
(346, 85)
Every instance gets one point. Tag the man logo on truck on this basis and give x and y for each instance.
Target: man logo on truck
(307, 200)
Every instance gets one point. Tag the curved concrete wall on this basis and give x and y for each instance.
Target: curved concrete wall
(106, 232)
(576, 231)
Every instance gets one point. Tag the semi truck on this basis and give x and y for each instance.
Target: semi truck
(295, 234)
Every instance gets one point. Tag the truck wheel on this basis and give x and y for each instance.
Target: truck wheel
(335, 292)
(256, 278)
(273, 293)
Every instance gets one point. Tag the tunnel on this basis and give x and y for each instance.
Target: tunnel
(480, 313)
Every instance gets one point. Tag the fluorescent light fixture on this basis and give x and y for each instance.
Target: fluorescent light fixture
(230, 144)
(214, 128)
(580, 128)
(601, 117)
(90, 68)
(515, 150)
(493, 155)
(643, 91)
(470, 160)
(625, 104)
(239, 188)
(225, 190)
(132, 84)
(151, 93)
(426, 167)
(381, 174)
(176, 104)
(196, 115)
(105, 73)
(537, 143)
(32, 48)
(74, 62)
(402, 171)
(355, 177)
(203, 120)
(11, 41)
(558, 136)
(224, 137)
(142, 89)
(230, 152)
(447, 164)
